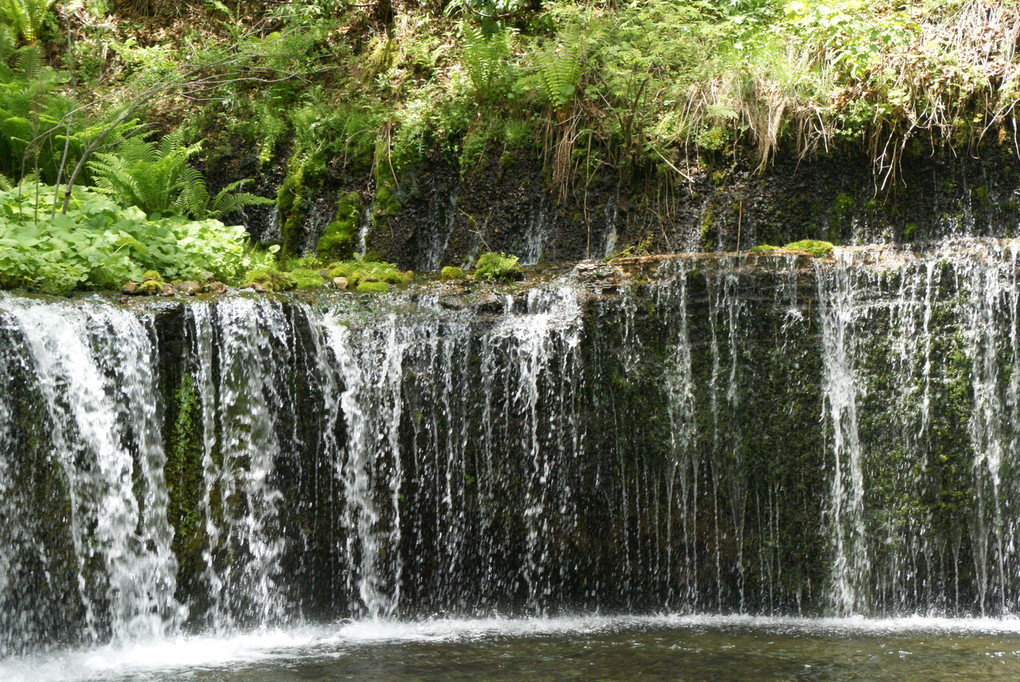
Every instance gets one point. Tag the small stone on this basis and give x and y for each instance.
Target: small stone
(189, 287)
(261, 287)
(340, 283)
(166, 290)
(217, 288)
(131, 288)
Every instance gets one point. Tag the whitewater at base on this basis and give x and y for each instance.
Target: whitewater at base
(587, 647)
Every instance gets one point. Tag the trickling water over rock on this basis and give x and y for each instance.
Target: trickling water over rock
(765, 434)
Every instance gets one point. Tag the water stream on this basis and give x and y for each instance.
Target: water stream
(268, 480)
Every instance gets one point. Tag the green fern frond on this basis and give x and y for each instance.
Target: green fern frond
(5, 183)
(558, 73)
(157, 178)
(25, 17)
(486, 58)
(229, 200)
(8, 41)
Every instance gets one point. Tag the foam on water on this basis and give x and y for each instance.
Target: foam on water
(174, 656)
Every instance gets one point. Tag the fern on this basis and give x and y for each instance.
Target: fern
(148, 175)
(5, 183)
(25, 17)
(158, 179)
(486, 58)
(558, 74)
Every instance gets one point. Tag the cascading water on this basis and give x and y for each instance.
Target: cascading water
(838, 311)
(730, 434)
(93, 369)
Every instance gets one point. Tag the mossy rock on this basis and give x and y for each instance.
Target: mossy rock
(152, 276)
(270, 279)
(340, 236)
(451, 272)
(372, 287)
(386, 203)
(305, 278)
(763, 248)
(493, 266)
(813, 246)
(365, 271)
(149, 287)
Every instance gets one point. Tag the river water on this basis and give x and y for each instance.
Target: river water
(653, 647)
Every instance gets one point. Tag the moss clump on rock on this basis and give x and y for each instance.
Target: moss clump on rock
(366, 287)
(357, 271)
(151, 284)
(340, 237)
(493, 266)
(269, 279)
(451, 272)
(763, 248)
(305, 278)
(813, 246)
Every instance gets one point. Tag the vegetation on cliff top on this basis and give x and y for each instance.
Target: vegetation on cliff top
(108, 95)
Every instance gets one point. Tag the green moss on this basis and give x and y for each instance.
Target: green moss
(184, 472)
(707, 220)
(813, 246)
(981, 194)
(451, 272)
(372, 287)
(305, 278)
(149, 287)
(763, 248)
(386, 203)
(339, 239)
(842, 207)
(357, 271)
(910, 230)
(290, 205)
(270, 278)
(498, 266)
(152, 276)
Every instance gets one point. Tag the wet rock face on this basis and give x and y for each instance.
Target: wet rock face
(438, 217)
(725, 433)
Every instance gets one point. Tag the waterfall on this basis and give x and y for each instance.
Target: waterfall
(93, 369)
(839, 313)
(760, 434)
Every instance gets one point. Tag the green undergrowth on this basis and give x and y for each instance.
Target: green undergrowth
(101, 245)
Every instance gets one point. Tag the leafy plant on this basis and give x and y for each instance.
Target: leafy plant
(158, 179)
(99, 244)
(26, 17)
(498, 267)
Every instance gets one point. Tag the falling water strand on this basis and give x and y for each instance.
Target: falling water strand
(370, 363)
(100, 397)
(240, 347)
(850, 564)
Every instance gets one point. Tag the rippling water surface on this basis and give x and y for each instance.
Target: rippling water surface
(667, 647)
